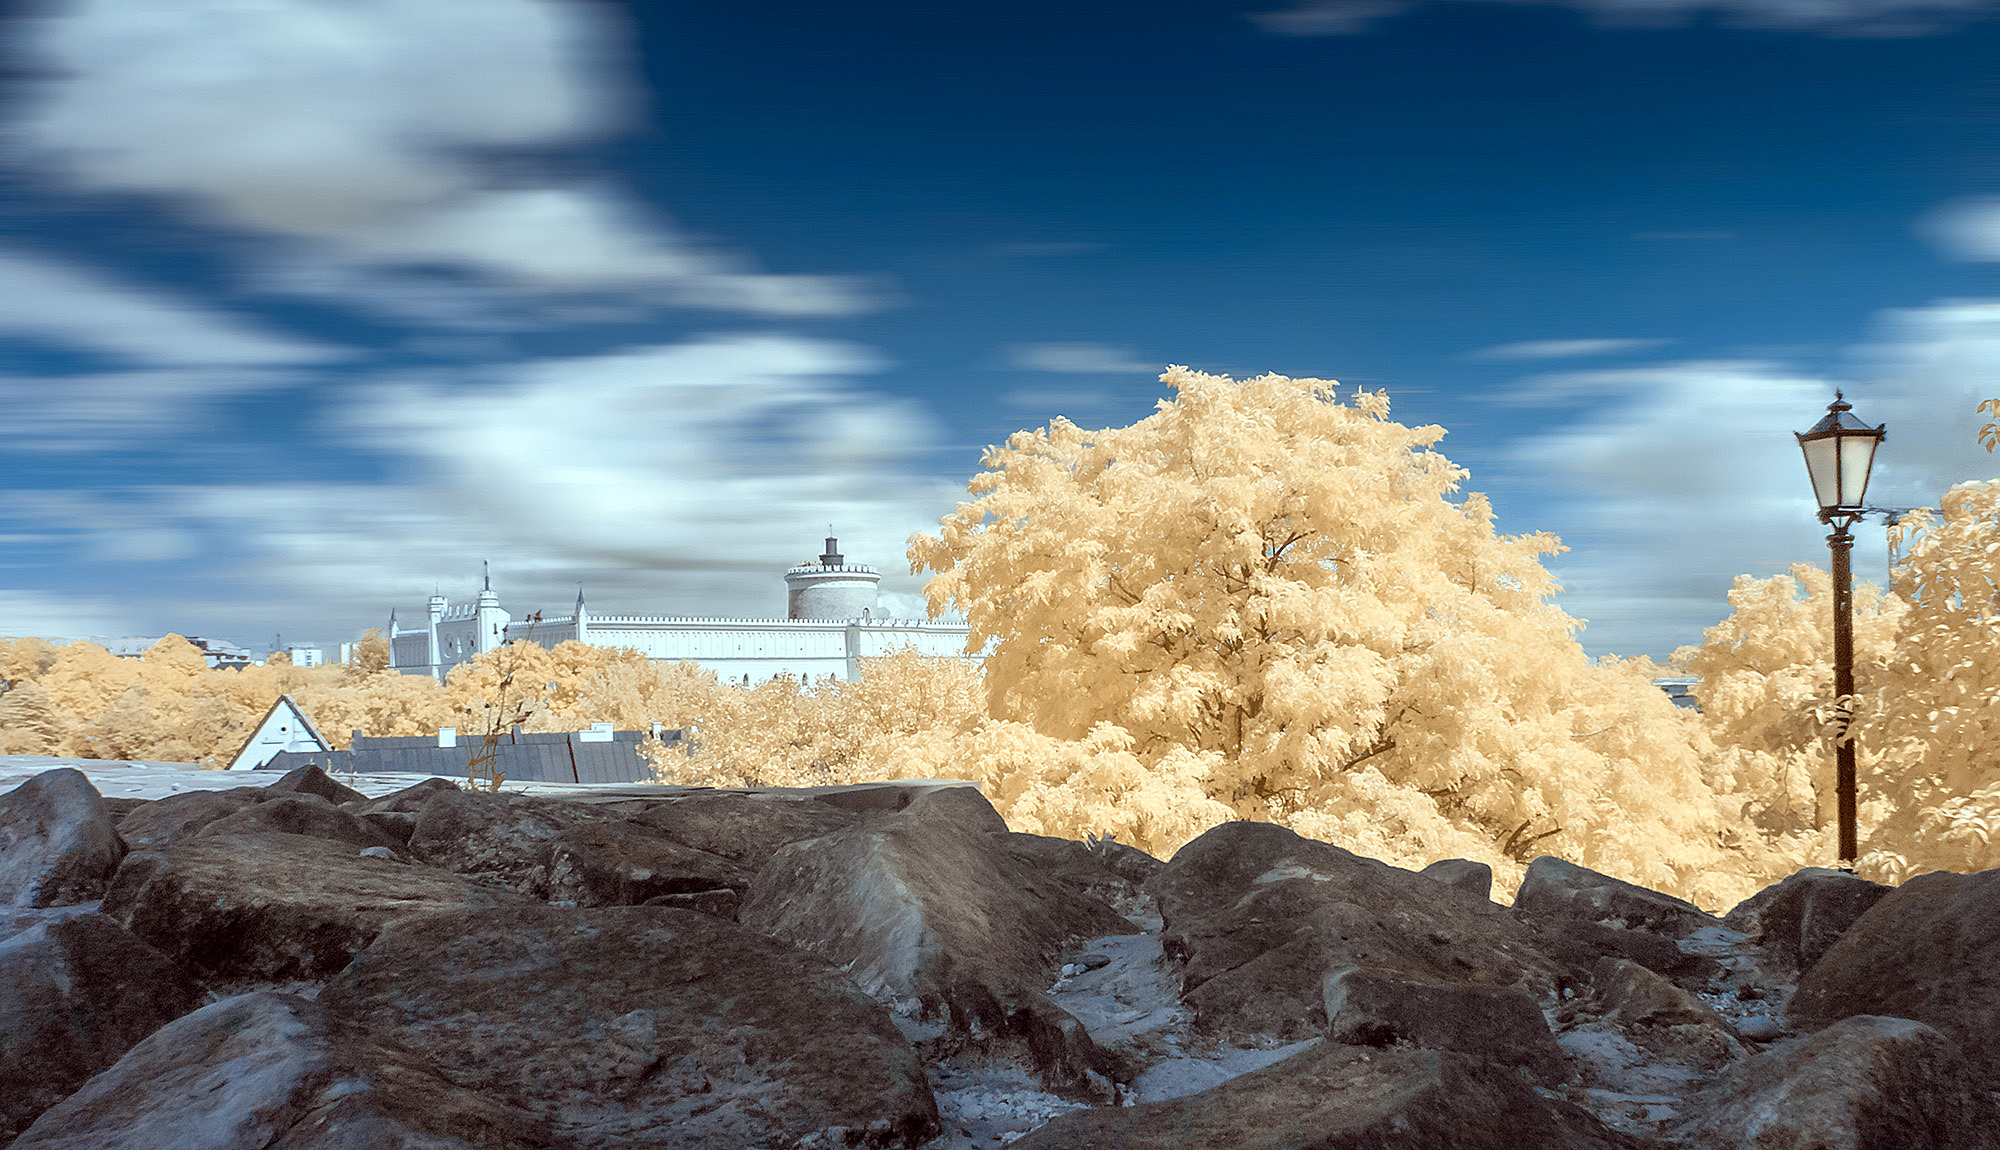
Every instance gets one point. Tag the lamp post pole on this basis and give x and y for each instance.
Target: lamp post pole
(1841, 544)
(1840, 452)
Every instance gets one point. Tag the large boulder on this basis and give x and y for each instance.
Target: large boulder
(746, 828)
(1474, 878)
(1257, 916)
(1799, 919)
(1864, 1083)
(271, 1070)
(75, 995)
(178, 817)
(57, 844)
(1557, 889)
(301, 813)
(929, 908)
(1500, 1024)
(1925, 951)
(310, 780)
(1334, 1097)
(505, 840)
(1582, 944)
(632, 1026)
(625, 864)
(274, 906)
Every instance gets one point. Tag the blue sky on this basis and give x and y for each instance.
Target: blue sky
(307, 306)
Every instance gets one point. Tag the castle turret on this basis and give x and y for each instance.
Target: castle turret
(437, 616)
(489, 619)
(582, 619)
(831, 588)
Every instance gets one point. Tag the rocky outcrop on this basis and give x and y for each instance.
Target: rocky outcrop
(75, 994)
(1925, 952)
(1258, 916)
(638, 1025)
(1498, 1024)
(1799, 919)
(927, 909)
(57, 844)
(182, 816)
(305, 814)
(272, 1070)
(747, 828)
(502, 840)
(618, 863)
(1474, 878)
(1556, 889)
(1334, 1097)
(310, 780)
(274, 906)
(1864, 1083)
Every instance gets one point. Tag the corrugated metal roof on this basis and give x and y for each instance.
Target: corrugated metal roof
(558, 757)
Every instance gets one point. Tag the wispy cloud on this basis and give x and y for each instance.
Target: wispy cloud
(1078, 359)
(59, 616)
(1828, 17)
(1564, 348)
(1966, 230)
(344, 129)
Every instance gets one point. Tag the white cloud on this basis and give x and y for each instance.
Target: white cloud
(1967, 229)
(64, 304)
(1830, 17)
(1692, 475)
(682, 478)
(1077, 359)
(1563, 348)
(375, 130)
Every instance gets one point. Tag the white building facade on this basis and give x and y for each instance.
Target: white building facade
(832, 623)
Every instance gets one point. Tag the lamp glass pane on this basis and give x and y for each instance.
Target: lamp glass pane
(1856, 456)
(1823, 464)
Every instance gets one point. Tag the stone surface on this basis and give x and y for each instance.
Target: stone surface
(921, 907)
(179, 817)
(1925, 951)
(1333, 1097)
(271, 1070)
(631, 1026)
(301, 813)
(1554, 888)
(1581, 944)
(1636, 996)
(1257, 916)
(746, 828)
(409, 800)
(1073, 864)
(120, 807)
(618, 863)
(274, 906)
(720, 903)
(311, 780)
(75, 995)
(1474, 878)
(504, 840)
(1809, 911)
(1499, 1024)
(1864, 1083)
(57, 844)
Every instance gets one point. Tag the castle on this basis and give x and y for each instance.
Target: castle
(830, 625)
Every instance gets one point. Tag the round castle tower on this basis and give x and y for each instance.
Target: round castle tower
(831, 588)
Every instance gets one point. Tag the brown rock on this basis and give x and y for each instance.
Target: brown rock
(640, 1026)
(920, 910)
(1500, 1024)
(1257, 915)
(720, 903)
(1636, 996)
(311, 780)
(409, 800)
(1864, 1083)
(625, 864)
(179, 817)
(1581, 944)
(1333, 1097)
(745, 828)
(57, 844)
(1474, 878)
(1808, 912)
(75, 995)
(270, 1070)
(120, 807)
(274, 906)
(1078, 866)
(1925, 951)
(505, 840)
(1557, 889)
(302, 813)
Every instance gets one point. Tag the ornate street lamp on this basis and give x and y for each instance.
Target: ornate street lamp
(1840, 450)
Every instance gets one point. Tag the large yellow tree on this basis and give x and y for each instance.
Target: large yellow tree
(1261, 602)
